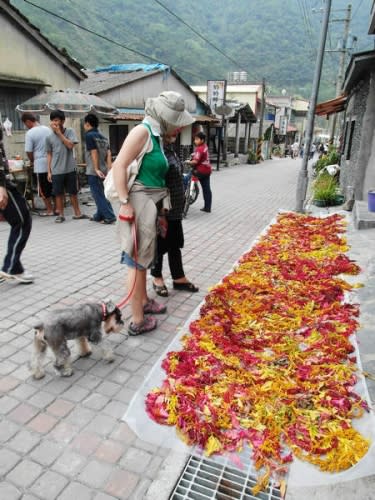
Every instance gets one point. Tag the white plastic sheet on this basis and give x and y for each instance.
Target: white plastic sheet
(301, 473)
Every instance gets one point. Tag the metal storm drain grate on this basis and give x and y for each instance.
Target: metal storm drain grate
(203, 478)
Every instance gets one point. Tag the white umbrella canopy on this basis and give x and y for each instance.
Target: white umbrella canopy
(72, 102)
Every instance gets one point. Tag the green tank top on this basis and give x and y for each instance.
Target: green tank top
(154, 165)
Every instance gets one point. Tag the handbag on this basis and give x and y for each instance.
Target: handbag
(132, 171)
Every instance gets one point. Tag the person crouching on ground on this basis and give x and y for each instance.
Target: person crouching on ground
(202, 168)
(142, 196)
(98, 162)
(174, 238)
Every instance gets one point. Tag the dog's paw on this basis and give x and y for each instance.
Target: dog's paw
(67, 372)
(38, 374)
(108, 357)
(85, 354)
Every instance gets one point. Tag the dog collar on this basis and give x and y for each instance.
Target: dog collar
(104, 311)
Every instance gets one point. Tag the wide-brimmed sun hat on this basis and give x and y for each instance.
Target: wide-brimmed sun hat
(169, 106)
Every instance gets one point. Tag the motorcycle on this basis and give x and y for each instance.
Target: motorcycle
(191, 188)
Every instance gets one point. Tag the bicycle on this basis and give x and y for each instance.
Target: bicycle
(191, 190)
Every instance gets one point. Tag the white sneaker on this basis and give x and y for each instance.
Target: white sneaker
(24, 277)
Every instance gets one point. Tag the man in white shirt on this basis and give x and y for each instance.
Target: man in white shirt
(35, 148)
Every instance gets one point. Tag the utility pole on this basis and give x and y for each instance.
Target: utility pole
(260, 133)
(302, 177)
(340, 75)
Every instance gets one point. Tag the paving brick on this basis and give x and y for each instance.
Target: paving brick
(123, 434)
(7, 430)
(8, 383)
(115, 409)
(136, 460)
(125, 395)
(7, 404)
(119, 376)
(80, 417)
(8, 460)
(24, 441)
(25, 473)
(95, 401)
(9, 492)
(89, 381)
(42, 423)
(76, 393)
(108, 388)
(41, 399)
(7, 367)
(23, 413)
(86, 443)
(60, 408)
(121, 484)
(47, 452)
(101, 424)
(95, 474)
(103, 496)
(63, 432)
(109, 451)
(49, 485)
(70, 464)
(140, 492)
(76, 491)
(24, 392)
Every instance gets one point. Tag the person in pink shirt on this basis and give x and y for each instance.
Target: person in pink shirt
(202, 168)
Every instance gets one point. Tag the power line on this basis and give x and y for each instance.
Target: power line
(146, 56)
(357, 9)
(197, 33)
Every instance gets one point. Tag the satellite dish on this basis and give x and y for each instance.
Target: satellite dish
(224, 109)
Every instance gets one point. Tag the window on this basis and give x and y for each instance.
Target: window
(350, 140)
(117, 135)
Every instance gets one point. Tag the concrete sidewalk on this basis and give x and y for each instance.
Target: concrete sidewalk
(63, 438)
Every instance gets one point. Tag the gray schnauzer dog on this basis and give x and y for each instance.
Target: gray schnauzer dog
(85, 323)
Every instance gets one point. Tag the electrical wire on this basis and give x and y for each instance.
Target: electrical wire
(198, 34)
(107, 39)
(357, 9)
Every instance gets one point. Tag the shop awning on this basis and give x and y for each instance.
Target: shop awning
(139, 115)
(327, 108)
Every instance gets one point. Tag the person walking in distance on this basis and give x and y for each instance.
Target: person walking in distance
(202, 168)
(35, 148)
(98, 162)
(14, 209)
(61, 165)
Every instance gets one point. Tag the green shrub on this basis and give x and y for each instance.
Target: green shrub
(331, 158)
(325, 188)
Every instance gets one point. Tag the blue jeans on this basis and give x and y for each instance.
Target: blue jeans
(207, 194)
(104, 210)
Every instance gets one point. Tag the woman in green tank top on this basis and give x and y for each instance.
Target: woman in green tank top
(138, 205)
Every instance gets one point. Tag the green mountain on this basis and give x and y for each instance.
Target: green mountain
(275, 39)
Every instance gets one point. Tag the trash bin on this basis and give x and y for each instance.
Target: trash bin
(371, 200)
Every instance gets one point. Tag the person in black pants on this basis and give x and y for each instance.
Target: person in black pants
(173, 240)
(14, 209)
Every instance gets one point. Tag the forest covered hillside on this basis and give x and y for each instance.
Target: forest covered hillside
(274, 39)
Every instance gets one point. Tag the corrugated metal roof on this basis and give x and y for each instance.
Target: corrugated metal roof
(96, 83)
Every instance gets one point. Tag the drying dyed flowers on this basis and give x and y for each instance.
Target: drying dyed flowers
(269, 361)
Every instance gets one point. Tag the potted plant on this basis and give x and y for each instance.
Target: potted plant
(251, 157)
(325, 191)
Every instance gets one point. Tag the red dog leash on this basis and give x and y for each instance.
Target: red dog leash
(130, 220)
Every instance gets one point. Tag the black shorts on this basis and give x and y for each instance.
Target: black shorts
(64, 183)
(44, 186)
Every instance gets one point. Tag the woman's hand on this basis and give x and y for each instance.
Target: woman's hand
(126, 213)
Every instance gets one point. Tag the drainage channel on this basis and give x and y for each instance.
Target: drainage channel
(204, 479)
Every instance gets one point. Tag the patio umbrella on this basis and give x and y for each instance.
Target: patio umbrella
(72, 102)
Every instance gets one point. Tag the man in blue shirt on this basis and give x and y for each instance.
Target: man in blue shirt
(98, 162)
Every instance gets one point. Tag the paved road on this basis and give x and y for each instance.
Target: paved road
(63, 438)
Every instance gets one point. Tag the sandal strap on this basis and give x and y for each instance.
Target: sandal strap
(153, 307)
(147, 325)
